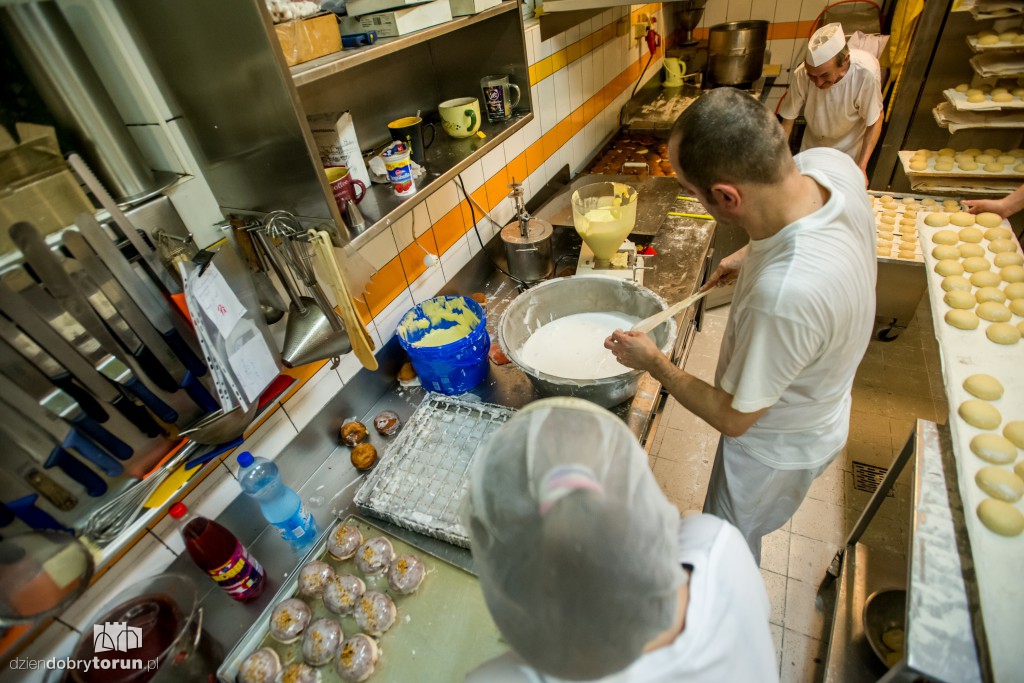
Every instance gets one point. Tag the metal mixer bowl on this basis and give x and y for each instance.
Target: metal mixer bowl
(562, 297)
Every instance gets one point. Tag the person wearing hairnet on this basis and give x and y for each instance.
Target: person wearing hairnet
(801, 316)
(844, 107)
(588, 571)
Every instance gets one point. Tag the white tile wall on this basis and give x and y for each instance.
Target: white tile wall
(318, 391)
(572, 34)
(739, 10)
(587, 75)
(208, 499)
(380, 250)
(493, 162)
(545, 48)
(561, 82)
(558, 42)
(546, 99)
(437, 205)
(514, 146)
(715, 11)
(455, 258)
(533, 37)
(348, 367)
(427, 285)
(473, 177)
(387, 320)
(762, 9)
(268, 440)
(599, 79)
(575, 85)
(531, 131)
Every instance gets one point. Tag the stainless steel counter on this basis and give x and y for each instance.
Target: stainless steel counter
(328, 481)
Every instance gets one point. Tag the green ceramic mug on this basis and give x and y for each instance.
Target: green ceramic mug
(460, 117)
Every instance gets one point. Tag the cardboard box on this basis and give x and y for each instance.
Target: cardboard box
(462, 8)
(305, 39)
(404, 21)
(357, 8)
(35, 183)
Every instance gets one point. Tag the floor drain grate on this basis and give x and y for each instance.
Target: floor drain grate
(867, 477)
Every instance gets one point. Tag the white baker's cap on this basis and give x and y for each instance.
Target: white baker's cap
(825, 44)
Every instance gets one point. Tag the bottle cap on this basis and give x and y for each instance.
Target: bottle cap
(178, 510)
(245, 458)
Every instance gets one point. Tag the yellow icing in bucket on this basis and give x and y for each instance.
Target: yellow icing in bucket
(436, 312)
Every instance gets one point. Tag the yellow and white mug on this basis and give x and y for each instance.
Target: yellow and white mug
(460, 117)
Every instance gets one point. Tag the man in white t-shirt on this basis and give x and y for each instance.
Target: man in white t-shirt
(840, 92)
(588, 571)
(801, 316)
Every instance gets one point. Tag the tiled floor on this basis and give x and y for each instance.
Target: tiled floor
(896, 383)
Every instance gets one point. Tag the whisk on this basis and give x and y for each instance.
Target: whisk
(107, 522)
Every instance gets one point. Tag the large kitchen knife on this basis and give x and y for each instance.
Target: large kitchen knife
(56, 401)
(61, 432)
(39, 359)
(29, 320)
(44, 451)
(126, 306)
(27, 511)
(150, 259)
(141, 290)
(144, 357)
(49, 270)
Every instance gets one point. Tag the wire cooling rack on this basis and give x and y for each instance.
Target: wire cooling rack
(420, 481)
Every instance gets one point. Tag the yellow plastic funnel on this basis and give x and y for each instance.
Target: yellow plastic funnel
(604, 213)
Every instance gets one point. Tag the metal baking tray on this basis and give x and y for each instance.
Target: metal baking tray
(443, 630)
(421, 479)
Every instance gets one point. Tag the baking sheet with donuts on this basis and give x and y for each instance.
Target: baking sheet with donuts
(441, 632)
(989, 472)
(896, 234)
(640, 155)
(970, 163)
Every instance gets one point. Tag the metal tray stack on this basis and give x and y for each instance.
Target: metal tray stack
(420, 481)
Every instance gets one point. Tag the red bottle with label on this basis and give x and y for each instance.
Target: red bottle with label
(216, 551)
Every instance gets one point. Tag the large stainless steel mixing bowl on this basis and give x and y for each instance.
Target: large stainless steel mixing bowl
(558, 298)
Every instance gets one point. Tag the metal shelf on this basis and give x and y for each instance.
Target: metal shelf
(328, 65)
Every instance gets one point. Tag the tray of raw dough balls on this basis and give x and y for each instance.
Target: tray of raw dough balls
(975, 271)
(365, 605)
(969, 163)
(986, 97)
(991, 40)
(896, 227)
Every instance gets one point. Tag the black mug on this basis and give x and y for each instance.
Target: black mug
(409, 130)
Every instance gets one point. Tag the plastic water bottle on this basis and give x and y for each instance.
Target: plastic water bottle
(216, 551)
(281, 506)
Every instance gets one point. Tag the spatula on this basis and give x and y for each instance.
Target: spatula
(648, 324)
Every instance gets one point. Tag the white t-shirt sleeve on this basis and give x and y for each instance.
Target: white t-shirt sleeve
(870, 97)
(793, 103)
(770, 351)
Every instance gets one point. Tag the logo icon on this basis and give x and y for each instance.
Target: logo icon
(117, 636)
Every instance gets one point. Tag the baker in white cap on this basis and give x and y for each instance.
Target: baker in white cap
(588, 570)
(839, 90)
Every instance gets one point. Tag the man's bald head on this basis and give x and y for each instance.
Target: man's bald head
(728, 136)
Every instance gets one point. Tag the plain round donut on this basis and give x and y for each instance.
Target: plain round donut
(984, 386)
(994, 232)
(1003, 333)
(949, 267)
(940, 220)
(986, 294)
(961, 319)
(987, 219)
(1014, 431)
(1014, 290)
(1007, 258)
(956, 282)
(1017, 307)
(976, 263)
(1012, 274)
(993, 311)
(959, 299)
(1001, 246)
(980, 414)
(1001, 517)
(964, 220)
(970, 235)
(967, 250)
(1000, 484)
(945, 251)
(985, 278)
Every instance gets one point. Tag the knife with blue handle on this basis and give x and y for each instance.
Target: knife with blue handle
(56, 401)
(25, 509)
(141, 290)
(80, 314)
(36, 444)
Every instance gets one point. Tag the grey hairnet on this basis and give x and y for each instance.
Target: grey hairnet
(576, 546)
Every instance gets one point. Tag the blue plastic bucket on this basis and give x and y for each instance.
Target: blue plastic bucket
(452, 368)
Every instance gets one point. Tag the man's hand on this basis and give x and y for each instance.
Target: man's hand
(728, 270)
(634, 350)
(998, 206)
